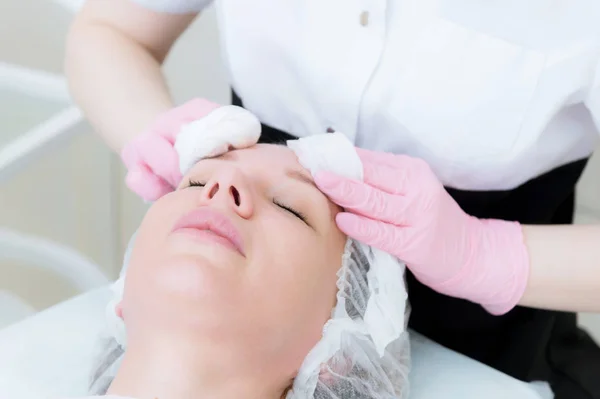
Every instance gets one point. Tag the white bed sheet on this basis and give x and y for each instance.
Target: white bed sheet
(51, 355)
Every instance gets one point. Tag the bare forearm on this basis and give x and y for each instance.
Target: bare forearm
(118, 84)
(564, 267)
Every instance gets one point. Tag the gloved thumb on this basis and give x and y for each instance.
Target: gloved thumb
(146, 184)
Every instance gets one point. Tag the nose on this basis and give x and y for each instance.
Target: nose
(230, 188)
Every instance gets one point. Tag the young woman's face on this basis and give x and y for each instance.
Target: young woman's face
(243, 254)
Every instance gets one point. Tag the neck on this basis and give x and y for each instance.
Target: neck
(174, 370)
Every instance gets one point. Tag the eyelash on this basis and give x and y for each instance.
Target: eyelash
(298, 214)
(194, 183)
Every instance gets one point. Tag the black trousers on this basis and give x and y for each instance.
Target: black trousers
(528, 344)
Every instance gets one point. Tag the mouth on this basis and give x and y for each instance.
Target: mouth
(208, 224)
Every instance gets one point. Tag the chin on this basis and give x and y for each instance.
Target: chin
(193, 277)
(188, 243)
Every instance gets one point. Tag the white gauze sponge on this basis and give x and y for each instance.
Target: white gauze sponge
(226, 128)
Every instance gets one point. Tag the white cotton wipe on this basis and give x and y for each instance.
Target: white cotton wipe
(332, 152)
(228, 127)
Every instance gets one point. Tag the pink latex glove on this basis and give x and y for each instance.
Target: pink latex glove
(152, 162)
(402, 208)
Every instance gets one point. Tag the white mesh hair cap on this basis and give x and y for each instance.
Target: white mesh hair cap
(364, 351)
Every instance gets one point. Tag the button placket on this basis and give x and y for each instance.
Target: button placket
(364, 18)
(360, 54)
(372, 23)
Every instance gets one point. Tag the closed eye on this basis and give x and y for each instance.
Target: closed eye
(298, 214)
(194, 183)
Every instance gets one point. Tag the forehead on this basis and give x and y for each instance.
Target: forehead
(267, 157)
(266, 154)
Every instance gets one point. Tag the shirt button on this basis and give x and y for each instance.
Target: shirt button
(364, 18)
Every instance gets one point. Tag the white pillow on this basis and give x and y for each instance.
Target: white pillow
(51, 355)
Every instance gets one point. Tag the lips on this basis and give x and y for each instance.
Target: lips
(210, 221)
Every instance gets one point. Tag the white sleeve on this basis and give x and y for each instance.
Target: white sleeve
(174, 6)
(593, 98)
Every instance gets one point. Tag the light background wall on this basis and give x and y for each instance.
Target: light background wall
(76, 195)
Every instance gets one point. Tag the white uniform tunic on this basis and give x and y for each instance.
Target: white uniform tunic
(489, 93)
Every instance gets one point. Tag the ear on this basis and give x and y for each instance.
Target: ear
(119, 310)
(335, 367)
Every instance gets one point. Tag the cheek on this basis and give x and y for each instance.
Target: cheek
(296, 293)
(296, 254)
(158, 222)
(297, 277)
(300, 264)
(149, 246)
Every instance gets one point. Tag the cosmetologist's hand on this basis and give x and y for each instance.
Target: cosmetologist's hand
(402, 208)
(150, 158)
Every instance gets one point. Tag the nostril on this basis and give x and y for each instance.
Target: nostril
(213, 191)
(236, 195)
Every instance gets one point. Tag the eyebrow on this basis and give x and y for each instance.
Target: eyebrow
(304, 178)
(228, 156)
(301, 177)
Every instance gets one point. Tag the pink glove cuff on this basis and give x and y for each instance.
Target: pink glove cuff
(497, 275)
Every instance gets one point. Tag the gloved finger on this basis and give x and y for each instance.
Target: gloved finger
(130, 156)
(362, 199)
(377, 157)
(170, 122)
(392, 180)
(142, 181)
(381, 235)
(160, 156)
(392, 173)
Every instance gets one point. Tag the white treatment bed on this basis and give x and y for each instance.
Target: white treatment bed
(51, 356)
